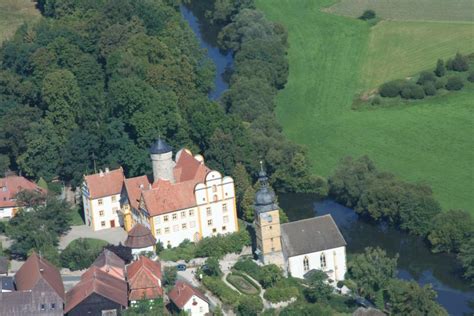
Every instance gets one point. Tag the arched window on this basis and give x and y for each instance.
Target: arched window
(306, 263)
(323, 261)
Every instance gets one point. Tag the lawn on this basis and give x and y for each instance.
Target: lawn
(241, 284)
(13, 13)
(429, 142)
(409, 10)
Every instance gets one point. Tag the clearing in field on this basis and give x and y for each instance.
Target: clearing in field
(14, 13)
(409, 10)
(430, 142)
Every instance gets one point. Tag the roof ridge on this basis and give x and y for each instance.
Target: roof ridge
(307, 219)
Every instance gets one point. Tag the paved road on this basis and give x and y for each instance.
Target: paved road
(111, 235)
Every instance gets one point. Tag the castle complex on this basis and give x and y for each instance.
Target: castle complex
(185, 199)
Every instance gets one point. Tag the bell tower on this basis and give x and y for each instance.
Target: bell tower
(267, 223)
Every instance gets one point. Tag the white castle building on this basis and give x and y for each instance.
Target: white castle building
(185, 200)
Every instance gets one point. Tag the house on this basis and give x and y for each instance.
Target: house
(97, 294)
(140, 239)
(101, 199)
(10, 186)
(186, 298)
(111, 264)
(144, 280)
(37, 290)
(298, 247)
(185, 200)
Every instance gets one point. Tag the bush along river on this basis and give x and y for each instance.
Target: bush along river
(415, 262)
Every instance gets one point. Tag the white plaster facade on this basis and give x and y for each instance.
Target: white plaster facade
(6, 212)
(137, 251)
(335, 260)
(196, 306)
(103, 212)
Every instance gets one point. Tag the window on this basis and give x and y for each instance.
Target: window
(158, 231)
(215, 198)
(270, 227)
(191, 212)
(208, 211)
(214, 230)
(175, 216)
(43, 307)
(165, 218)
(183, 214)
(102, 224)
(183, 226)
(306, 263)
(167, 230)
(224, 228)
(175, 228)
(100, 201)
(101, 213)
(201, 309)
(158, 220)
(323, 261)
(53, 306)
(226, 219)
(224, 207)
(214, 188)
(209, 222)
(192, 224)
(114, 199)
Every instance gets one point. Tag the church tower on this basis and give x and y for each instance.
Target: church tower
(267, 223)
(162, 160)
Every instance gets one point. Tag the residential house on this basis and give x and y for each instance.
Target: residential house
(144, 280)
(187, 298)
(10, 186)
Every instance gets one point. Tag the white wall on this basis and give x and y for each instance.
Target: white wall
(109, 209)
(6, 212)
(335, 260)
(201, 308)
(172, 231)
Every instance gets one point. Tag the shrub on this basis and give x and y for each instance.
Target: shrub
(376, 101)
(426, 76)
(170, 275)
(280, 294)
(412, 91)
(460, 63)
(391, 89)
(454, 83)
(451, 230)
(81, 253)
(440, 83)
(368, 15)
(250, 305)
(221, 290)
(429, 88)
(470, 77)
(440, 68)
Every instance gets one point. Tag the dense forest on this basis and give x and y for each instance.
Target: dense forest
(93, 83)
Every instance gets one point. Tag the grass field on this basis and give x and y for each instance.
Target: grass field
(399, 48)
(14, 13)
(431, 142)
(409, 10)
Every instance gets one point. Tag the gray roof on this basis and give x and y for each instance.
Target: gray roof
(160, 147)
(3, 265)
(310, 235)
(6, 283)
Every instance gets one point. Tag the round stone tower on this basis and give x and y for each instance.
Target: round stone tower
(162, 160)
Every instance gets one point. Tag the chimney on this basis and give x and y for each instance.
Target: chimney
(107, 170)
(41, 270)
(101, 173)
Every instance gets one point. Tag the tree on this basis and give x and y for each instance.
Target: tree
(270, 275)
(170, 275)
(408, 298)
(440, 70)
(318, 290)
(212, 267)
(368, 15)
(426, 76)
(391, 89)
(454, 83)
(451, 230)
(146, 307)
(249, 305)
(466, 256)
(81, 253)
(460, 63)
(372, 271)
(247, 205)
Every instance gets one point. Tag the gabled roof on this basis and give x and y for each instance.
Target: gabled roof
(310, 235)
(144, 279)
(36, 268)
(189, 168)
(182, 293)
(134, 188)
(12, 185)
(99, 282)
(105, 183)
(140, 237)
(167, 197)
(107, 259)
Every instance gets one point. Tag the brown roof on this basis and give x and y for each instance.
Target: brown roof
(167, 197)
(144, 279)
(310, 235)
(182, 293)
(134, 187)
(105, 183)
(36, 268)
(107, 260)
(94, 280)
(140, 237)
(12, 185)
(188, 168)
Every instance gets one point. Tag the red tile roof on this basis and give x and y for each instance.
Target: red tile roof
(108, 261)
(94, 280)
(144, 279)
(105, 183)
(11, 186)
(182, 293)
(188, 168)
(36, 268)
(140, 237)
(134, 188)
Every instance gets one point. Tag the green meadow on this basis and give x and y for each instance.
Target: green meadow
(14, 13)
(430, 141)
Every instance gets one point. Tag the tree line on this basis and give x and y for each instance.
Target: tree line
(380, 196)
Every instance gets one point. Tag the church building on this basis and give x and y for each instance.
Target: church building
(297, 247)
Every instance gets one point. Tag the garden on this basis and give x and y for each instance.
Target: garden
(243, 283)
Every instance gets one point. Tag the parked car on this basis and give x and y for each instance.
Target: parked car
(181, 267)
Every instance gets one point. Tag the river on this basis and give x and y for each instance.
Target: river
(415, 262)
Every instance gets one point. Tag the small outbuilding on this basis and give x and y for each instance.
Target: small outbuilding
(144, 280)
(140, 239)
(187, 298)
